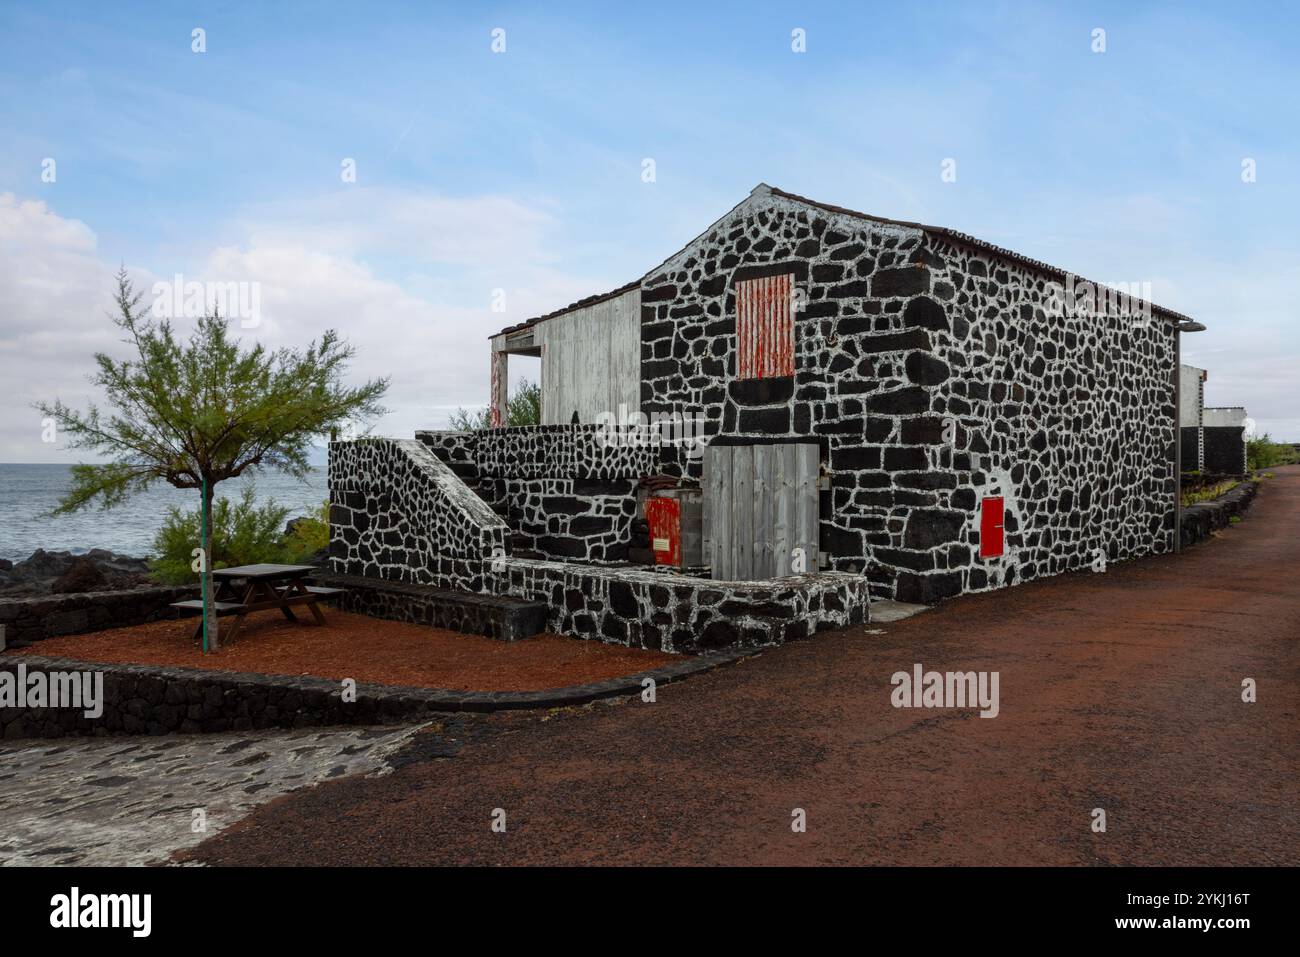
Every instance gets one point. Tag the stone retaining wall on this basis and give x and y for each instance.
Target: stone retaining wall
(544, 451)
(151, 699)
(672, 612)
(25, 620)
(1203, 518)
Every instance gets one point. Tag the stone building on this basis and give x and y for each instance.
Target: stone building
(975, 418)
(1213, 437)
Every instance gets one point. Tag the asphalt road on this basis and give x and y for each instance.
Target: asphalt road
(1119, 691)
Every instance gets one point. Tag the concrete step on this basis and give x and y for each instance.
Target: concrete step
(496, 616)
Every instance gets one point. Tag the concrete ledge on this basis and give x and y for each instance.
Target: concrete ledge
(495, 616)
(1203, 518)
(152, 699)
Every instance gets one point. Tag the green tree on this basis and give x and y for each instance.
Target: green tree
(522, 408)
(196, 413)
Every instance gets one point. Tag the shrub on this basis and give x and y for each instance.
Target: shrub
(1263, 452)
(522, 408)
(242, 534)
(1207, 493)
(308, 535)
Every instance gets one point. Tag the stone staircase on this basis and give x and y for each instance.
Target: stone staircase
(517, 544)
(398, 513)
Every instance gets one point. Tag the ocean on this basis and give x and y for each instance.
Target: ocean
(29, 492)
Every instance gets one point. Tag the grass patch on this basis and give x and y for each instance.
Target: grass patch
(1206, 493)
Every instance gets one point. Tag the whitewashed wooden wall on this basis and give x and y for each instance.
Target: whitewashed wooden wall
(760, 504)
(591, 360)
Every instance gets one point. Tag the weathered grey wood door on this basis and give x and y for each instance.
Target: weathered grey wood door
(760, 510)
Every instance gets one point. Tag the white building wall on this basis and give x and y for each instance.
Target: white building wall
(1191, 393)
(591, 360)
(1232, 417)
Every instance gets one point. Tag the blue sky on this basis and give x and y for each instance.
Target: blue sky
(521, 171)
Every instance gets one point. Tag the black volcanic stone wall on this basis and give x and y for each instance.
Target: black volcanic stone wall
(1190, 438)
(933, 375)
(582, 519)
(565, 491)
(1201, 520)
(153, 699)
(30, 619)
(1225, 449)
(398, 513)
(541, 451)
(680, 613)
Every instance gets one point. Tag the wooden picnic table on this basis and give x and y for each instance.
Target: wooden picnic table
(245, 589)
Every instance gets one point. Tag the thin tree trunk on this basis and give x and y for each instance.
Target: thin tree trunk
(209, 612)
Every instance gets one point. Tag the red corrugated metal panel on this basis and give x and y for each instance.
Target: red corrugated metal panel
(765, 327)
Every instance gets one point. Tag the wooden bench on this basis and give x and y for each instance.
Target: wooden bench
(249, 588)
(220, 607)
(324, 592)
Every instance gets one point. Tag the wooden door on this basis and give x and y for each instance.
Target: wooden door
(760, 510)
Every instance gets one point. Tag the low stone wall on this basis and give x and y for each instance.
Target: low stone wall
(1203, 518)
(152, 699)
(394, 503)
(26, 620)
(671, 612)
(546, 451)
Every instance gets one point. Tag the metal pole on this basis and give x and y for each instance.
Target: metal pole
(203, 578)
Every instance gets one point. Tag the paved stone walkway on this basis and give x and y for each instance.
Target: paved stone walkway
(101, 801)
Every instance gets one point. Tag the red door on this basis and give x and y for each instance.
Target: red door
(991, 510)
(664, 516)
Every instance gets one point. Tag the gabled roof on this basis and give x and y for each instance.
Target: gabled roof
(580, 304)
(943, 232)
(965, 239)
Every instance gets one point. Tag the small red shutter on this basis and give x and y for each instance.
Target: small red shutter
(765, 327)
(664, 516)
(991, 538)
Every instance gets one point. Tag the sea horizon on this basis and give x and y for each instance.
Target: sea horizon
(30, 490)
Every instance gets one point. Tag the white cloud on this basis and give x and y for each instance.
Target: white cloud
(54, 289)
(427, 328)
(474, 231)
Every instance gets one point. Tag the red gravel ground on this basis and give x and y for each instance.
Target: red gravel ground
(1119, 690)
(367, 650)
